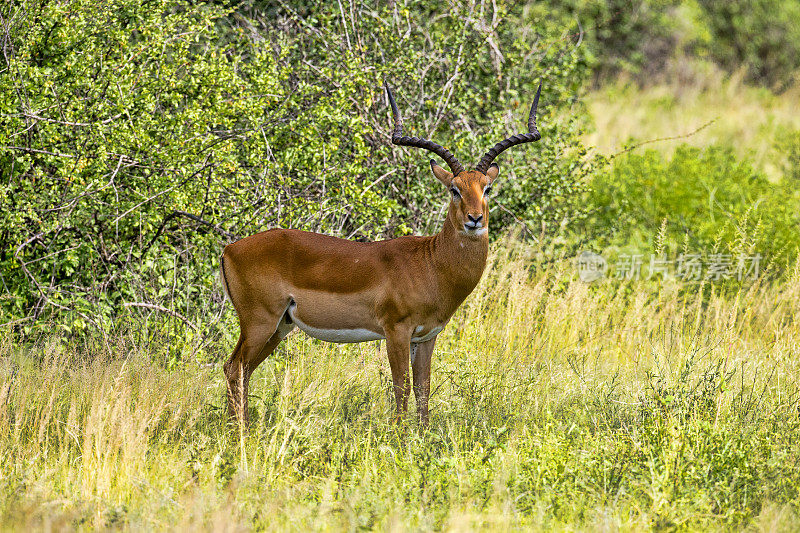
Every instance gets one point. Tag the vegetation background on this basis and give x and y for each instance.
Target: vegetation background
(138, 137)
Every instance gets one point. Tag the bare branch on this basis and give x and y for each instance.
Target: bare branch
(164, 310)
(207, 223)
(81, 124)
(35, 151)
(682, 136)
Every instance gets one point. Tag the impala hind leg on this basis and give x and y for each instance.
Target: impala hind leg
(238, 372)
(397, 346)
(255, 345)
(421, 364)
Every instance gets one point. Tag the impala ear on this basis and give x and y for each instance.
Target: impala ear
(441, 174)
(492, 171)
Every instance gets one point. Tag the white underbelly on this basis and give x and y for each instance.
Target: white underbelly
(335, 335)
(340, 335)
(356, 334)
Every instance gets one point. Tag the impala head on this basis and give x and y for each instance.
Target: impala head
(469, 189)
(469, 194)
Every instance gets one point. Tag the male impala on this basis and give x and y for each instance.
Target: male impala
(403, 290)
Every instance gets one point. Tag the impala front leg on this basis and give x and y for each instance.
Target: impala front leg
(421, 364)
(398, 342)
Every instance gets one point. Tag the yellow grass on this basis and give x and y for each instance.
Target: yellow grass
(557, 405)
(746, 118)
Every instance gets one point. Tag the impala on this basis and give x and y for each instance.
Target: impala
(403, 290)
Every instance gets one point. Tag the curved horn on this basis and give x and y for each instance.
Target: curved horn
(532, 136)
(401, 140)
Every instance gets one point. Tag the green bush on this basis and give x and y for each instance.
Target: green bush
(700, 200)
(644, 38)
(788, 144)
(621, 35)
(140, 137)
(762, 36)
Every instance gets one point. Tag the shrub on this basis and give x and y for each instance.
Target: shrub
(762, 36)
(699, 200)
(138, 138)
(622, 35)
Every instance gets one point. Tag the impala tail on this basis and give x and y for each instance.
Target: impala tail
(224, 279)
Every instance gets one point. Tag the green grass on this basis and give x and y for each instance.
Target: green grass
(557, 405)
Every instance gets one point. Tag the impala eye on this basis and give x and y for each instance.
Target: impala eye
(455, 193)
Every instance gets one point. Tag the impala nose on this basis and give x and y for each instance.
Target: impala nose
(474, 222)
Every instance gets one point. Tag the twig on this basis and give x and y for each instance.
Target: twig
(207, 223)
(17, 321)
(683, 136)
(153, 197)
(164, 310)
(518, 220)
(35, 151)
(196, 218)
(84, 124)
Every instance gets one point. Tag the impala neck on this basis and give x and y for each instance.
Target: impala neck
(459, 257)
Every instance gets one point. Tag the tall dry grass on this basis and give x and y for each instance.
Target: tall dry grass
(748, 119)
(556, 404)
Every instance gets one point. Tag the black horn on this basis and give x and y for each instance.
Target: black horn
(533, 135)
(401, 140)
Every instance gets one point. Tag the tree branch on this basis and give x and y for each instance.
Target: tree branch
(164, 310)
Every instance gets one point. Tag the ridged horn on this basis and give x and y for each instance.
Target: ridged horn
(398, 138)
(533, 135)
